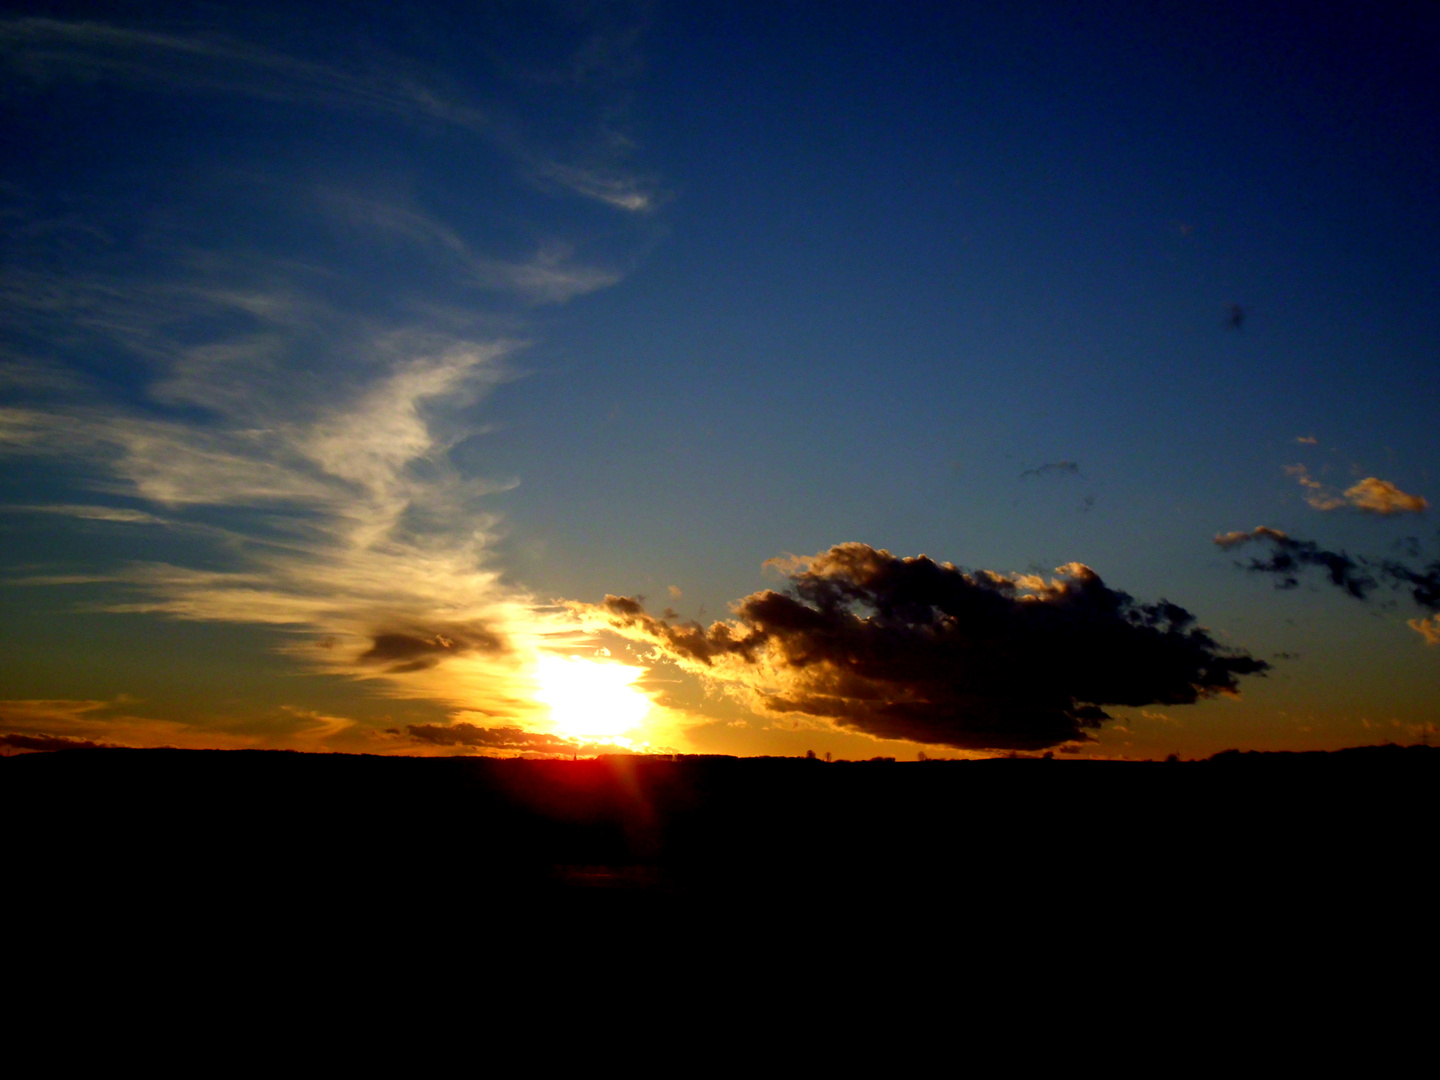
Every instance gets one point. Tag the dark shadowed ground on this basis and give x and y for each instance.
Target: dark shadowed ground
(1035, 844)
(279, 883)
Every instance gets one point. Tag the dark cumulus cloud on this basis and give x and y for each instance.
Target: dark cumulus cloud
(503, 738)
(410, 649)
(1052, 468)
(908, 648)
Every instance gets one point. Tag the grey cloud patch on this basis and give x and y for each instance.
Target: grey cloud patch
(1291, 556)
(1424, 583)
(1356, 575)
(1053, 468)
(409, 650)
(907, 648)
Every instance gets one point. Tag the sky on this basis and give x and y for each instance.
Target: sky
(872, 380)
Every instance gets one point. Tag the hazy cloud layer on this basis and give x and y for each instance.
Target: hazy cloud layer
(48, 742)
(285, 406)
(94, 513)
(378, 562)
(344, 519)
(77, 722)
(502, 739)
(550, 275)
(907, 648)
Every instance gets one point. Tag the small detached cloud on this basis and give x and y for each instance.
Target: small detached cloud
(400, 651)
(1428, 628)
(621, 190)
(907, 648)
(1377, 496)
(1307, 440)
(1371, 495)
(1053, 468)
(1317, 494)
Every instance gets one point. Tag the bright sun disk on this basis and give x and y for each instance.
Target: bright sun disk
(589, 699)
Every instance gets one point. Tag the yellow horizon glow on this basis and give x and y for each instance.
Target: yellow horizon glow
(588, 699)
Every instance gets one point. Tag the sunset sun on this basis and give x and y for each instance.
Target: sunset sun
(589, 699)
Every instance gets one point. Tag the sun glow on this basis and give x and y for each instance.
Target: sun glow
(589, 699)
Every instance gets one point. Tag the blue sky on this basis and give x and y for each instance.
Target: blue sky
(333, 339)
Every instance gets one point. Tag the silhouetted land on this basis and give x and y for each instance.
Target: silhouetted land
(1026, 845)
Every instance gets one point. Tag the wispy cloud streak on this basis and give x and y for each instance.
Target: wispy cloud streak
(40, 51)
(277, 368)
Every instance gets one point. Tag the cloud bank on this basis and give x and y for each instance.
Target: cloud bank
(907, 648)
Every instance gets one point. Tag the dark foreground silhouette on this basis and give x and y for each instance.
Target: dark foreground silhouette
(473, 846)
